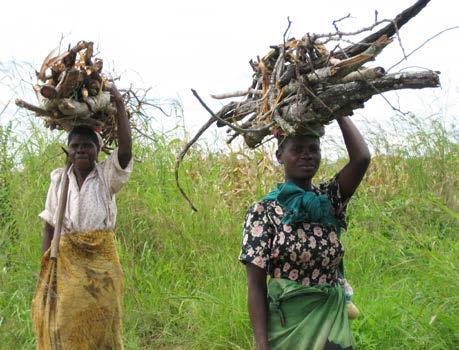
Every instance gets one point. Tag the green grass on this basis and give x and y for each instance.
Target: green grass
(184, 286)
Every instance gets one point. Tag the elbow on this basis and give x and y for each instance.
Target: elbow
(365, 156)
(365, 160)
(125, 154)
(124, 157)
(362, 161)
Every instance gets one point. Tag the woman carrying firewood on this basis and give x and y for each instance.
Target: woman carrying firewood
(292, 235)
(78, 300)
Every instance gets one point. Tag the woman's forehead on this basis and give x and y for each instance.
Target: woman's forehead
(78, 138)
(301, 140)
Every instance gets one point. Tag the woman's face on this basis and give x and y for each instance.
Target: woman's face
(82, 152)
(300, 156)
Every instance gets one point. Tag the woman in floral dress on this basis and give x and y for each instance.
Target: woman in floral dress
(292, 236)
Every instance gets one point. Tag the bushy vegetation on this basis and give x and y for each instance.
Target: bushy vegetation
(184, 286)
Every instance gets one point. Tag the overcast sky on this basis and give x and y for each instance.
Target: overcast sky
(174, 45)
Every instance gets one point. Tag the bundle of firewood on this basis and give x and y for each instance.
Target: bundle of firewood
(72, 90)
(301, 84)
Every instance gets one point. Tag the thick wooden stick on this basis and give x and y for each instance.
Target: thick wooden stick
(322, 107)
(239, 93)
(338, 96)
(389, 30)
(61, 210)
(33, 108)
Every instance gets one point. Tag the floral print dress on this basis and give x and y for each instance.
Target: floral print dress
(307, 252)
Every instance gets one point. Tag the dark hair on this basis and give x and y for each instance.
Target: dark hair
(84, 130)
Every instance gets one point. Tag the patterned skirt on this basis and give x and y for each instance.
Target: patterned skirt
(78, 299)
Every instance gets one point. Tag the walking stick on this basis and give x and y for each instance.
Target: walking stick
(60, 209)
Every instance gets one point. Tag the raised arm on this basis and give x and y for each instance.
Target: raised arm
(359, 157)
(258, 305)
(124, 130)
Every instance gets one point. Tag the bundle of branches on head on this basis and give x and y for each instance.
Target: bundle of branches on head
(72, 90)
(300, 84)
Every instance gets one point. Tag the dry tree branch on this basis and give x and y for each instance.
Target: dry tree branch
(38, 110)
(336, 36)
(182, 155)
(238, 93)
(400, 20)
(190, 143)
(232, 126)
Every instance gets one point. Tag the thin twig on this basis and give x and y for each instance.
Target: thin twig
(422, 45)
(399, 39)
(339, 34)
(182, 155)
(223, 121)
(286, 30)
(336, 21)
(5, 107)
(143, 134)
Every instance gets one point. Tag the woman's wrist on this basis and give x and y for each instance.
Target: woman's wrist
(342, 119)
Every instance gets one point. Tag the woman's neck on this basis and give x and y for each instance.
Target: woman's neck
(305, 184)
(81, 175)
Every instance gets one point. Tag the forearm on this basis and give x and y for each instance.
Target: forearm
(355, 144)
(48, 233)
(124, 130)
(359, 158)
(257, 304)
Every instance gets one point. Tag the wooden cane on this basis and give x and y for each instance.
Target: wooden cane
(61, 210)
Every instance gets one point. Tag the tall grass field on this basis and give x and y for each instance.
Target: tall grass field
(185, 288)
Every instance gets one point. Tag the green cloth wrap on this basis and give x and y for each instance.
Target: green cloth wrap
(300, 205)
(307, 318)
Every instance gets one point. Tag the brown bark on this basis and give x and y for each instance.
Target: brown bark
(39, 111)
(342, 99)
(389, 30)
